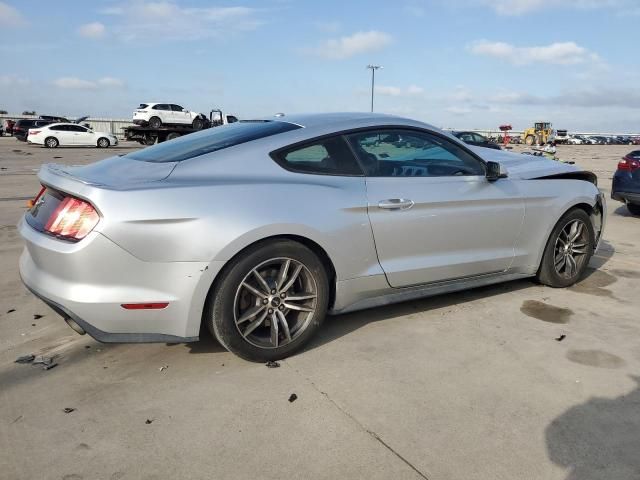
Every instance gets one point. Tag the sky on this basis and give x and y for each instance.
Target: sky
(452, 63)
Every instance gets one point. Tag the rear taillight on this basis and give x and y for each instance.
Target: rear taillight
(72, 219)
(628, 164)
(34, 132)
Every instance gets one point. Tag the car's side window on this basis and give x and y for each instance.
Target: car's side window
(412, 153)
(58, 128)
(176, 108)
(329, 156)
(479, 138)
(161, 106)
(466, 137)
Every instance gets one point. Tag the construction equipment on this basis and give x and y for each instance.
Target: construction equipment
(541, 133)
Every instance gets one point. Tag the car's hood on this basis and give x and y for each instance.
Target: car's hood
(524, 166)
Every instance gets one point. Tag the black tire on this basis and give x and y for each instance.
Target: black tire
(149, 141)
(103, 142)
(547, 273)
(634, 208)
(51, 142)
(197, 123)
(155, 122)
(220, 311)
(530, 140)
(173, 135)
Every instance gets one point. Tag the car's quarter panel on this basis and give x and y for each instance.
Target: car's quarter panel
(457, 227)
(94, 277)
(546, 200)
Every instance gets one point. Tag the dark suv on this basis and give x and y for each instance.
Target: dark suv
(21, 128)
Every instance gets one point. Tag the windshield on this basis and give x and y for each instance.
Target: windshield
(211, 140)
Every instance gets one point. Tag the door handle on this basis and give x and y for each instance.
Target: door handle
(396, 204)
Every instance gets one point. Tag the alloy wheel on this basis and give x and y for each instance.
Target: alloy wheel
(275, 302)
(570, 251)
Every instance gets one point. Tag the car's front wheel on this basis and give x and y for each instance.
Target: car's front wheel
(634, 208)
(269, 301)
(568, 250)
(103, 142)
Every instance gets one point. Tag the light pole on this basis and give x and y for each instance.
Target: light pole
(373, 80)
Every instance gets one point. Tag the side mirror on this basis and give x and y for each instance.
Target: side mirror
(495, 171)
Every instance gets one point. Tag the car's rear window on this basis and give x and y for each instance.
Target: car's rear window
(142, 106)
(211, 140)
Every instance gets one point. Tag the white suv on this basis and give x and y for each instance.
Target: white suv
(155, 115)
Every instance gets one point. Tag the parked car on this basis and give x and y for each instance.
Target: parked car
(21, 127)
(598, 140)
(626, 182)
(473, 138)
(258, 228)
(70, 135)
(575, 140)
(55, 119)
(635, 140)
(8, 126)
(155, 115)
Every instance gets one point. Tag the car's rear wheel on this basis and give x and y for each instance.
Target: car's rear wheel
(568, 250)
(173, 135)
(197, 124)
(103, 142)
(634, 208)
(51, 142)
(269, 301)
(155, 122)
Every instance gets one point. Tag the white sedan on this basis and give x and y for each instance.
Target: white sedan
(70, 135)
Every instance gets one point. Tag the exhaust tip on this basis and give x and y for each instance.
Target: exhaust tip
(77, 328)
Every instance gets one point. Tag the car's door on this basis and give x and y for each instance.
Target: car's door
(178, 114)
(63, 134)
(163, 111)
(80, 135)
(434, 214)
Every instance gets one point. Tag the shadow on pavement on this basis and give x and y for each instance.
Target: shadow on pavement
(340, 325)
(598, 439)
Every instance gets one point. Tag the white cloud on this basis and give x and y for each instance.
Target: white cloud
(601, 97)
(10, 16)
(520, 7)
(329, 27)
(560, 53)
(346, 47)
(398, 91)
(13, 81)
(456, 110)
(171, 21)
(74, 83)
(92, 30)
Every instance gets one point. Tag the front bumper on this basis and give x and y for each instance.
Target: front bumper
(89, 281)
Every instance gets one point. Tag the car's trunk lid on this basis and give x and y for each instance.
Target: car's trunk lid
(114, 173)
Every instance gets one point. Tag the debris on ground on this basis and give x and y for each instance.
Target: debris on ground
(37, 316)
(561, 337)
(68, 410)
(11, 310)
(33, 324)
(164, 367)
(272, 364)
(25, 358)
(47, 362)
(149, 422)
(293, 398)
(87, 346)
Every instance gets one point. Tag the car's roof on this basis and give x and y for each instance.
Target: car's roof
(310, 120)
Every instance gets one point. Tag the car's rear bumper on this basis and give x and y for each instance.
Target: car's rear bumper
(89, 281)
(626, 197)
(139, 121)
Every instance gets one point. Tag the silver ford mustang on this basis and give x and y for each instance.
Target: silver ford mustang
(259, 228)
